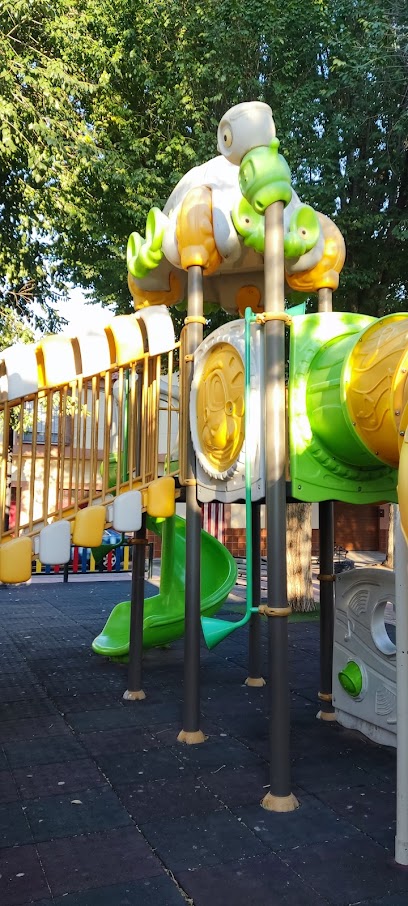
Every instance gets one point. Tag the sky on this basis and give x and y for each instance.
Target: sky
(82, 316)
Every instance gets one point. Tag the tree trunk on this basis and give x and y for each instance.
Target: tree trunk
(299, 557)
(389, 560)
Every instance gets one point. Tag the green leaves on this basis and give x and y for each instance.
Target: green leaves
(104, 107)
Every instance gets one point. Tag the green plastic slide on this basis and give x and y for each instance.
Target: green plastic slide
(164, 612)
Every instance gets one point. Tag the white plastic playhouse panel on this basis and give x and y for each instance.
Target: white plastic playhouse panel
(230, 486)
(363, 630)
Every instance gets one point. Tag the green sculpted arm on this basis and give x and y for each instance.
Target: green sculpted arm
(143, 255)
(303, 233)
(249, 225)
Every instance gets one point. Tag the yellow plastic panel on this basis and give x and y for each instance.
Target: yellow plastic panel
(15, 561)
(89, 526)
(125, 339)
(371, 367)
(195, 236)
(57, 362)
(325, 274)
(161, 497)
(220, 406)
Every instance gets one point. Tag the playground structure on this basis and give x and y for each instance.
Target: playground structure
(364, 654)
(234, 233)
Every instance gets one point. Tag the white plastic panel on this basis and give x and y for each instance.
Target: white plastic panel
(127, 512)
(231, 486)
(18, 371)
(159, 328)
(59, 361)
(95, 352)
(55, 543)
(365, 601)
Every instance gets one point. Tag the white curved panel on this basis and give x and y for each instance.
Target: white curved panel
(18, 371)
(159, 328)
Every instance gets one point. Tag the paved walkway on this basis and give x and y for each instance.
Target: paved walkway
(100, 806)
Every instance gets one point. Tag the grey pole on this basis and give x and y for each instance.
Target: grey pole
(134, 692)
(326, 578)
(191, 732)
(280, 797)
(255, 677)
(401, 583)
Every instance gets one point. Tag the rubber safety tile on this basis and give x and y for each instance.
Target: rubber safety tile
(32, 728)
(131, 766)
(334, 773)
(172, 798)
(135, 714)
(392, 899)
(160, 891)
(26, 709)
(372, 809)
(82, 701)
(234, 788)
(131, 739)
(82, 812)
(14, 827)
(191, 842)
(261, 881)
(78, 863)
(22, 879)
(44, 751)
(8, 788)
(216, 755)
(313, 822)
(57, 778)
(16, 692)
(347, 871)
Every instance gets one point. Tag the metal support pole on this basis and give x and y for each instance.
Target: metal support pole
(401, 607)
(326, 570)
(326, 545)
(134, 691)
(280, 797)
(191, 732)
(254, 677)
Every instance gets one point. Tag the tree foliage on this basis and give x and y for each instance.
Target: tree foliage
(105, 106)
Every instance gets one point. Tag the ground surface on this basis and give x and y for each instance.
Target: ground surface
(100, 806)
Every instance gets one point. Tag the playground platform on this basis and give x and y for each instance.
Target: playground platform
(100, 806)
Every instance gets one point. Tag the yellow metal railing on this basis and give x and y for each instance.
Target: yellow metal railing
(73, 444)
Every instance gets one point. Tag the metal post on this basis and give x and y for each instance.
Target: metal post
(401, 607)
(134, 691)
(191, 732)
(326, 578)
(280, 797)
(254, 677)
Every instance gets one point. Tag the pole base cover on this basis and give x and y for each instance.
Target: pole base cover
(255, 681)
(280, 803)
(137, 696)
(193, 738)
